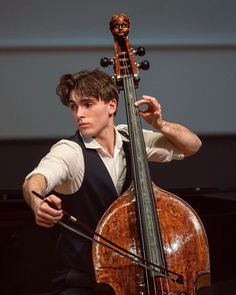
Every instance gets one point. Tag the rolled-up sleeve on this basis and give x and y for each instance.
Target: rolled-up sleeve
(159, 148)
(62, 167)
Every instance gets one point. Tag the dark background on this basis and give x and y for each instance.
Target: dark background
(205, 181)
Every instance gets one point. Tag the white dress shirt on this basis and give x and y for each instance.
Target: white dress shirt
(63, 166)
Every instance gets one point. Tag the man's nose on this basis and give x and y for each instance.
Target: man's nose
(79, 113)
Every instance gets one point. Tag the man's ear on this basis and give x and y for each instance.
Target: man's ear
(113, 106)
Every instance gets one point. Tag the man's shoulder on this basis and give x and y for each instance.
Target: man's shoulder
(122, 127)
(123, 130)
(66, 144)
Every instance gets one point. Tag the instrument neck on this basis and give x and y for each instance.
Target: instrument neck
(146, 209)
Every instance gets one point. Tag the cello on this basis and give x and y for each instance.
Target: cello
(159, 242)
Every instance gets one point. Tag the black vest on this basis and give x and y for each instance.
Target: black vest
(88, 204)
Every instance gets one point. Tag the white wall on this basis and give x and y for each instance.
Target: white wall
(191, 46)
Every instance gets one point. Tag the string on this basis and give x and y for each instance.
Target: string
(129, 88)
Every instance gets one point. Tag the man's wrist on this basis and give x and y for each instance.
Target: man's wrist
(164, 127)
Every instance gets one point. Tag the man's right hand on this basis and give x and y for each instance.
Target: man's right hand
(45, 215)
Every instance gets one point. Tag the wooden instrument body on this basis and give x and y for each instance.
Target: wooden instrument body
(184, 242)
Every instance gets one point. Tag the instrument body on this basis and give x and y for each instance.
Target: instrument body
(146, 220)
(184, 242)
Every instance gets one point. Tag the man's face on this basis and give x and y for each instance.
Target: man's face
(92, 116)
(120, 28)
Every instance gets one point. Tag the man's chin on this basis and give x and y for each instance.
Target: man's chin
(86, 133)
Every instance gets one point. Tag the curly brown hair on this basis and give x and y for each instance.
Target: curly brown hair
(94, 83)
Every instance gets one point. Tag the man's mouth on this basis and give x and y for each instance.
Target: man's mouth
(83, 125)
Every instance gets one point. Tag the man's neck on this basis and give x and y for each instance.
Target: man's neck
(107, 141)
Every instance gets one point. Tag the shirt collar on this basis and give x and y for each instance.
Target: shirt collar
(91, 143)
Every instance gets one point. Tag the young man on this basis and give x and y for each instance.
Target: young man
(86, 173)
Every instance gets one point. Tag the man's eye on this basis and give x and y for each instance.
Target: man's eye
(88, 103)
(72, 107)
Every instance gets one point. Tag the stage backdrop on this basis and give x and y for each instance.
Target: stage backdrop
(191, 47)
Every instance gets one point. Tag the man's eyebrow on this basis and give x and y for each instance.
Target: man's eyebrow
(82, 99)
(87, 99)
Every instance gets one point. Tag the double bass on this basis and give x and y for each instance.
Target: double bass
(159, 242)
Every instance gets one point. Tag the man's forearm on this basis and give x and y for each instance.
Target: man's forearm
(36, 182)
(182, 138)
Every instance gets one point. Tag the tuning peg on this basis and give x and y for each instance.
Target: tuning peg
(105, 62)
(144, 65)
(140, 51)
